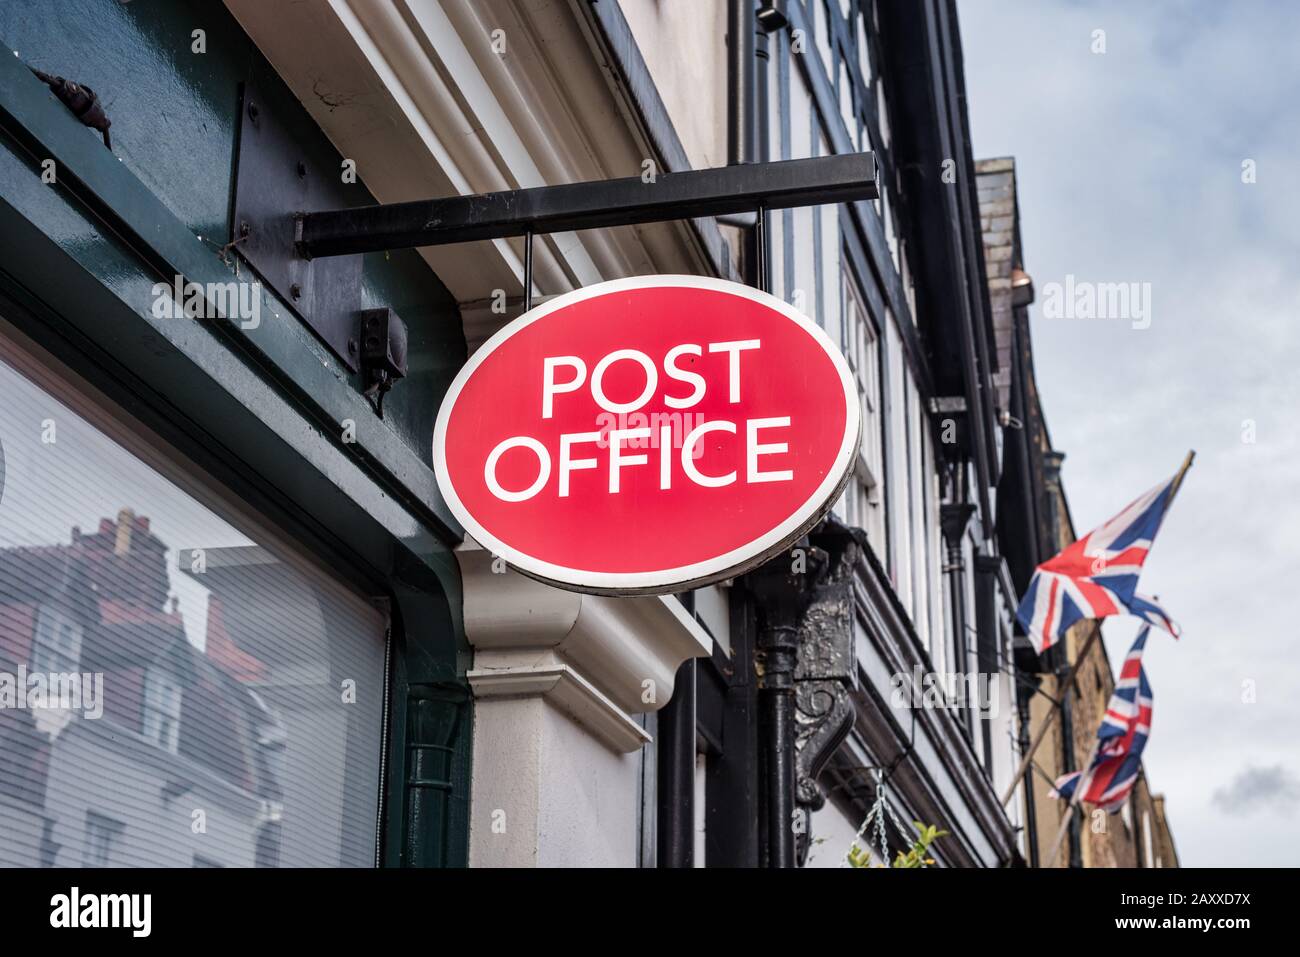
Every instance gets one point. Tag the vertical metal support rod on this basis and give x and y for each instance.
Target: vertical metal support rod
(528, 270)
(761, 249)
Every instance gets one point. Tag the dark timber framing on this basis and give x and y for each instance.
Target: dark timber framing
(944, 335)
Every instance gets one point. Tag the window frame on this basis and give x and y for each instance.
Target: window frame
(52, 623)
(156, 675)
(112, 831)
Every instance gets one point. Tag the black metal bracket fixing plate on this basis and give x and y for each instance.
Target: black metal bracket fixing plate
(281, 172)
(843, 178)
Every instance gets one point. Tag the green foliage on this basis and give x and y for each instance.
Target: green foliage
(858, 857)
(918, 855)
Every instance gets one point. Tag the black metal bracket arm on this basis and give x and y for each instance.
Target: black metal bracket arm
(842, 178)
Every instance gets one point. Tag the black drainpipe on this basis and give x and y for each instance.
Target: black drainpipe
(1023, 695)
(780, 587)
(760, 126)
(781, 590)
(1059, 657)
(954, 516)
(779, 649)
(675, 753)
(740, 81)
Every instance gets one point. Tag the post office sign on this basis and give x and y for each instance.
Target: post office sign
(647, 435)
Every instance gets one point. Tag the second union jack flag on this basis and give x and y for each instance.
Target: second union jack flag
(1120, 740)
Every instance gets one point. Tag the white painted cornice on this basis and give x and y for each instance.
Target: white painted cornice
(628, 648)
(568, 691)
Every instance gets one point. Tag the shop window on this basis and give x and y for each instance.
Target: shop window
(213, 694)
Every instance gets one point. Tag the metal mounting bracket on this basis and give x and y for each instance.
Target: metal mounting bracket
(279, 175)
(304, 230)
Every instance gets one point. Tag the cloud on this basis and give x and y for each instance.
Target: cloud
(1260, 789)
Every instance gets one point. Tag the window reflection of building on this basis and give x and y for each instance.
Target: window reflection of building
(210, 730)
(252, 595)
(99, 605)
(223, 740)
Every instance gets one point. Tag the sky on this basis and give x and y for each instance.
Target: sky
(1134, 165)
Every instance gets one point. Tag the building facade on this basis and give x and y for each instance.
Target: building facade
(303, 659)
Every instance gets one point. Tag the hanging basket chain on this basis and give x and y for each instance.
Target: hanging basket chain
(879, 808)
(845, 858)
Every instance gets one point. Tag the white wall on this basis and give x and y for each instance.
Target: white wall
(833, 830)
(546, 793)
(684, 45)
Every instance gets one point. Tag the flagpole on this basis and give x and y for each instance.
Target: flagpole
(1061, 832)
(1068, 683)
(1178, 482)
(1081, 784)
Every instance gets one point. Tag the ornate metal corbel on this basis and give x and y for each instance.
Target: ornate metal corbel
(824, 673)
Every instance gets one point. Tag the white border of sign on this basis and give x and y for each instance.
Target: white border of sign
(668, 580)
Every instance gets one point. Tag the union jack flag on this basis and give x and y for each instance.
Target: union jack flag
(1123, 734)
(1097, 576)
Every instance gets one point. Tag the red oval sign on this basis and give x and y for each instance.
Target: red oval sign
(647, 435)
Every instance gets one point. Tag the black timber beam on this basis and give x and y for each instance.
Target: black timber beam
(618, 202)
